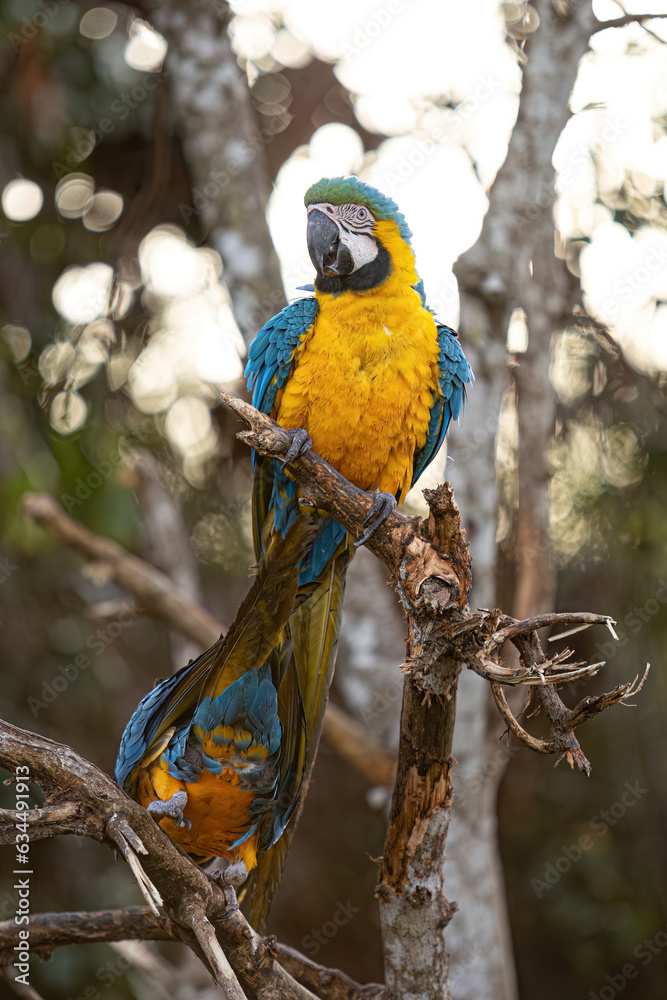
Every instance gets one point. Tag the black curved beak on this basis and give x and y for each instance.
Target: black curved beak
(330, 257)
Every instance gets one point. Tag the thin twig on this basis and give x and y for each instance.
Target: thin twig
(222, 970)
(152, 588)
(118, 827)
(532, 742)
(511, 627)
(328, 984)
(169, 879)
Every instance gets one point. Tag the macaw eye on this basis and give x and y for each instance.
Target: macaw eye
(362, 213)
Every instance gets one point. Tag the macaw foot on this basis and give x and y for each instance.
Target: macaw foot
(170, 809)
(229, 879)
(382, 506)
(301, 443)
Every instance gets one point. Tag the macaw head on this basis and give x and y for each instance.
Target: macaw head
(355, 234)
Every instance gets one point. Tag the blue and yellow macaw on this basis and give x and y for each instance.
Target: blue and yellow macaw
(361, 371)
(217, 753)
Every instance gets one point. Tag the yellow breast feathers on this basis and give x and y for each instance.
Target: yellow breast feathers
(364, 379)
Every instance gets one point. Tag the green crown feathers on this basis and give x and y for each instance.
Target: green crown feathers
(352, 191)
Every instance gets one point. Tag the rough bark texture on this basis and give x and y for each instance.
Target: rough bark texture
(413, 908)
(495, 278)
(430, 568)
(224, 150)
(513, 265)
(181, 895)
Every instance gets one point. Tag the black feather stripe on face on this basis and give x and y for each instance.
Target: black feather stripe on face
(352, 218)
(357, 218)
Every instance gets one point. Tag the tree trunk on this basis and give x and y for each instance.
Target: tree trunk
(511, 266)
(224, 150)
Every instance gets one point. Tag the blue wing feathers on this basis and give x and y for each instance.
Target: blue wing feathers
(250, 702)
(271, 353)
(448, 398)
(271, 357)
(270, 361)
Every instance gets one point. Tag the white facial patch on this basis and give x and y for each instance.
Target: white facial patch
(355, 227)
(363, 249)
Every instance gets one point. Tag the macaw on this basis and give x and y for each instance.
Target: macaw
(217, 753)
(221, 752)
(362, 372)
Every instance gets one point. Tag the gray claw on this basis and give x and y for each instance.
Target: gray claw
(229, 879)
(234, 874)
(301, 443)
(170, 809)
(382, 506)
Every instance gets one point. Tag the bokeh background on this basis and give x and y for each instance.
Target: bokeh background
(136, 174)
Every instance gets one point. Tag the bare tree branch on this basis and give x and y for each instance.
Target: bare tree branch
(430, 565)
(223, 145)
(150, 586)
(54, 930)
(117, 821)
(328, 984)
(162, 599)
(622, 22)
(47, 822)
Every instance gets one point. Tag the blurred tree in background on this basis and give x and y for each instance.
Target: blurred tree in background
(139, 146)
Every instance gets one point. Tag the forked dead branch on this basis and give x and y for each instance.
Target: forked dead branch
(431, 571)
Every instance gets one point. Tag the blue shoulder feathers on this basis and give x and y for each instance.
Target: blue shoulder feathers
(271, 353)
(448, 398)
